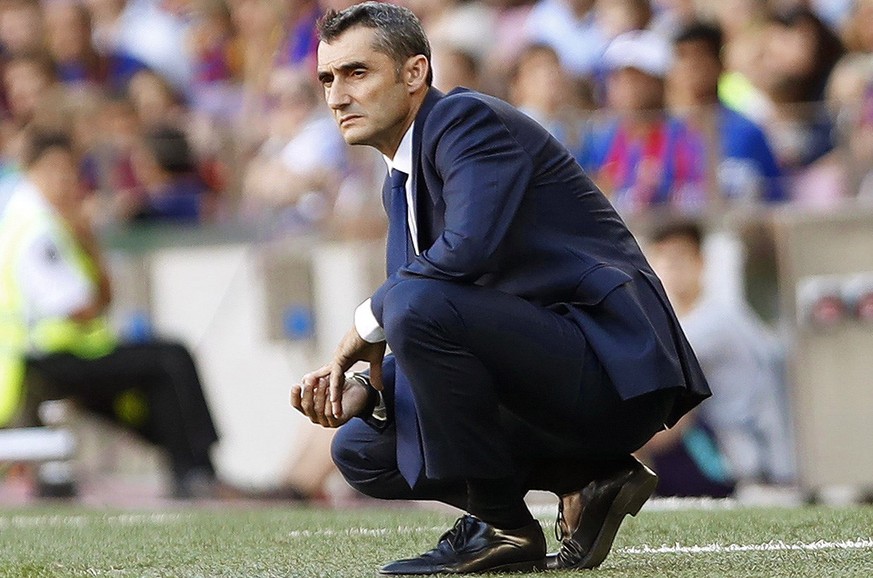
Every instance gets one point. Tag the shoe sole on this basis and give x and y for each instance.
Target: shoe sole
(517, 567)
(532, 566)
(630, 500)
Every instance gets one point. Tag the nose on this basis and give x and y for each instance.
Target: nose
(337, 96)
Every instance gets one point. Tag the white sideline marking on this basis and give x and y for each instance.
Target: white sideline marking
(861, 544)
(776, 546)
(82, 521)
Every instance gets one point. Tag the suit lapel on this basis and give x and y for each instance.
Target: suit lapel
(420, 197)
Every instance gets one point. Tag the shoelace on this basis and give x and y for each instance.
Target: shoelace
(457, 534)
(559, 522)
(571, 554)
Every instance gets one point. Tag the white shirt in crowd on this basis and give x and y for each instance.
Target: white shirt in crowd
(52, 284)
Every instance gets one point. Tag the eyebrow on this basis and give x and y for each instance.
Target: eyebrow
(325, 75)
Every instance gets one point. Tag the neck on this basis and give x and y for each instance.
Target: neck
(389, 148)
(42, 185)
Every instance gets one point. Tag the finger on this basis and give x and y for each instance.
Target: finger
(337, 381)
(307, 403)
(376, 376)
(319, 402)
(313, 376)
(296, 396)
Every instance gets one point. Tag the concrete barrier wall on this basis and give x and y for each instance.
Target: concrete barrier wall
(822, 257)
(257, 317)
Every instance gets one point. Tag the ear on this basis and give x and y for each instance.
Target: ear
(415, 72)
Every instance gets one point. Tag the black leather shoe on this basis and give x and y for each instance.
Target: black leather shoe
(472, 546)
(588, 519)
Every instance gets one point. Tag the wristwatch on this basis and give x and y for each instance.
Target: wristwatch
(376, 411)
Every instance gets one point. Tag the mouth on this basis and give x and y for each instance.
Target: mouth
(348, 118)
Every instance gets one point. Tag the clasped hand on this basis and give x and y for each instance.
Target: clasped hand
(325, 396)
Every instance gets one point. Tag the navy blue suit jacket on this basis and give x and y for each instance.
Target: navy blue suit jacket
(501, 204)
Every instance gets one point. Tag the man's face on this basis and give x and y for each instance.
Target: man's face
(695, 73)
(632, 90)
(25, 85)
(59, 179)
(367, 97)
(679, 264)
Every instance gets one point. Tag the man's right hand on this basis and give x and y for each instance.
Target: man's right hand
(311, 398)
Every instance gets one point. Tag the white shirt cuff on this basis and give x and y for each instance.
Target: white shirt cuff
(366, 325)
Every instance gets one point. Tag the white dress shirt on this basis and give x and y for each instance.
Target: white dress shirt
(365, 322)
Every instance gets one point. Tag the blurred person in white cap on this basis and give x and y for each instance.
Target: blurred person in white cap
(639, 156)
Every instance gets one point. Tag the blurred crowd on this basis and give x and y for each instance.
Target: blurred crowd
(207, 110)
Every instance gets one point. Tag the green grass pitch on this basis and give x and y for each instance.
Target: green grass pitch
(234, 541)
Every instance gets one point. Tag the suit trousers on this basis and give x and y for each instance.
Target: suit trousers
(174, 414)
(503, 388)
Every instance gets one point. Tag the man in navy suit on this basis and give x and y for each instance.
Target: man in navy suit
(533, 346)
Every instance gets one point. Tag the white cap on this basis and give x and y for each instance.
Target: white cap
(643, 50)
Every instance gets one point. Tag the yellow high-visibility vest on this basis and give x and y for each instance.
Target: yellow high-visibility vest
(19, 225)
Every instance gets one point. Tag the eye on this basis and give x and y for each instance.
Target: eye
(359, 73)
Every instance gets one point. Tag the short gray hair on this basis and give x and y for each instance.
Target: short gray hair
(399, 33)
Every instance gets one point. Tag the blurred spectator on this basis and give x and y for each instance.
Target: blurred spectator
(619, 16)
(641, 157)
(215, 50)
(259, 26)
(27, 78)
(105, 18)
(834, 12)
(572, 29)
(54, 313)
(155, 32)
(670, 16)
(301, 163)
(154, 99)
(301, 40)
(510, 35)
(21, 26)
(468, 26)
(746, 168)
(747, 414)
(453, 66)
(848, 171)
(544, 91)
(69, 41)
(738, 17)
(217, 54)
(106, 162)
(742, 24)
(858, 28)
(799, 52)
(166, 169)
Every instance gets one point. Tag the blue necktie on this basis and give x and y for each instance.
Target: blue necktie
(410, 460)
(397, 247)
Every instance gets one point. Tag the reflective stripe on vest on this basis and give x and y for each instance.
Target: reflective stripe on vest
(13, 326)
